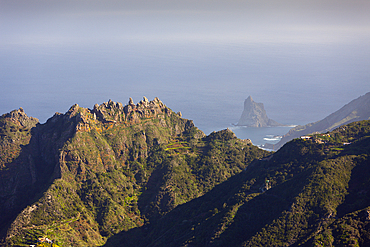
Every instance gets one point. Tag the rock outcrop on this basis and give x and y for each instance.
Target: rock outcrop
(97, 172)
(146, 177)
(254, 115)
(110, 136)
(17, 166)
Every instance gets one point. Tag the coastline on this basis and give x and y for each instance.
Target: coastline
(261, 135)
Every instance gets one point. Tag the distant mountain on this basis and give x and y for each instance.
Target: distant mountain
(254, 115)
(356, 110)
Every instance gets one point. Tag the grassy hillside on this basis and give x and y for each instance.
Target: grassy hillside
(116, 168)
(140, 175)
(310, 193)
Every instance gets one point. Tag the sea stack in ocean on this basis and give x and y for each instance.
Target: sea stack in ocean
(254, 115)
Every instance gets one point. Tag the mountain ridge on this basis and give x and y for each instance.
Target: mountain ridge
(109, 169)
(140, 175)
(317, 196)
(356, 110)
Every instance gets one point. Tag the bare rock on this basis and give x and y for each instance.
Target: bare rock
(254, 115)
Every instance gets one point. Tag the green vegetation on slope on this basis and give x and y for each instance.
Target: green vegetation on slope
(140, 175)
(122, 168)
(319, 196)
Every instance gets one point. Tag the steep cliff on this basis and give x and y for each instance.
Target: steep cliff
(254, 115)
(18, 170)
(140, 175)
(98, 172)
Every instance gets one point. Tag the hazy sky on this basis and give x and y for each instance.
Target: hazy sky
(51, 21)
(286, 54)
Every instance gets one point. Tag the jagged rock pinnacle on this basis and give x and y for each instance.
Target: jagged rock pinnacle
(254, 115)
(20, 118)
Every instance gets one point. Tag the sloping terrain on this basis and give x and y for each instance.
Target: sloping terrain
(140, 175)
(312, 192)
(356, 110)
(87, 175)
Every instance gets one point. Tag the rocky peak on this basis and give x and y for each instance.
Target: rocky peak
(249, 99)
(73, 111)
(20, 118)
(254, 115)
(131, 102)
(145, 102)
(112, 112)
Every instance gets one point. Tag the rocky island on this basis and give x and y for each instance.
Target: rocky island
(140, 175)
(254, 115)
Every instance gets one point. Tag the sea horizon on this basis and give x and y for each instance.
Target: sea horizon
(303, 61)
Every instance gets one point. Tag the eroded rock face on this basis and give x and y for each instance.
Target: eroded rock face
(115, 112)
(254, 115)
(34, 155)
(20, 118)
(15, 131)
(18, 171)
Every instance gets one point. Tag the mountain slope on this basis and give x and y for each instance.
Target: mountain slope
(17, 167)
(110, 169)
(356, 110)
(140, 175)
(317, 195)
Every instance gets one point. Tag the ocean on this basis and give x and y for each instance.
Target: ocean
(203, 63)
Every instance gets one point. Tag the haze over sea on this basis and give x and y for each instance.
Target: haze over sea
(302, 59)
